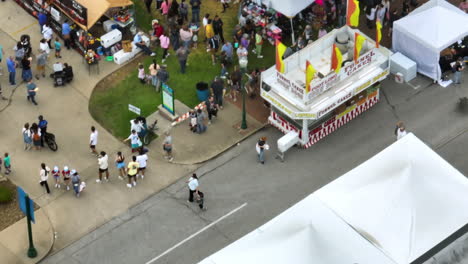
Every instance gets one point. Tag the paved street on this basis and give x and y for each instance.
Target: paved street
(151, 232)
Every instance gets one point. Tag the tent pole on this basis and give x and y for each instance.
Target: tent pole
(292, 31)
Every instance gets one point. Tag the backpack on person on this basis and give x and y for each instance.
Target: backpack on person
(36, 137)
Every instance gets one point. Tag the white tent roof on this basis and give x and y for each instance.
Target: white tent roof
(306, 233)
(389, 210)
(429, 29)
(405, 200)
(288, 8)
(437, 26)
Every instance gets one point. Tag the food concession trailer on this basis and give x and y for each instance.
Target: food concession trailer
(334, 98)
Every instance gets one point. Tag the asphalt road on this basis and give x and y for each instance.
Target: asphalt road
(242, 194)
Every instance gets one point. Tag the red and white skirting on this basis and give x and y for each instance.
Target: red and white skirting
(326, 127)
(186, 115)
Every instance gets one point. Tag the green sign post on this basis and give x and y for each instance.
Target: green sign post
(168, 98)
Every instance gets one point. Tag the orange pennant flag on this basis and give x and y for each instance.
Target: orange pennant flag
(378, 28)
(358, 42)
(310, 73)
(280, 50)
(352, 13)
(336, 59)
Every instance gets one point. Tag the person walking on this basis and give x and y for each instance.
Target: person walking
(58, 48)
(186, 35)
(93, 139)
(194, 192)
(76, 180)
(66, 177)
(26, 65)
(27, 137)
(258, 43)
(120, 163)
(43, 127)
(11, 66)
(213, 43)
(225, 4)
(183, 11)
(47, 34)
(217, 86)
(400, 130)
(66, 33)
(132, 170)
(458, 71)
(182, 55)
(195, 10)
(41, 60)
(7, 163)
(260, 147)
(165, 8)
(211, 108)
(36, 136)
(201, 117)
(218, 27)
(44, 175)
(371, 13)
(135, 141)
(163, 77)
(31, 89)
(142, 159)
(167, 146)
(56, 175)
(164, 41)
(103, 162)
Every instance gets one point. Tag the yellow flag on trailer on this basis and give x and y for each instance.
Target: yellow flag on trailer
(358, 42)
(378, 28)
(337, 59)
(310, 73)
(280, 50)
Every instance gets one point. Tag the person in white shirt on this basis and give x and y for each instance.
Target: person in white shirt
(401, 132)
(137, 126)
(134, 141)
(142, 158)
(103, 162)
(27, 137)
(44, 46)
(381, 10)
(192, 183)
(47, 33)
(44, 174)
(93, 139)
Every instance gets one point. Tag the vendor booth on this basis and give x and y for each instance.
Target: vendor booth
(401, 206)
(83, 16)
(426, 32)
(333, 97)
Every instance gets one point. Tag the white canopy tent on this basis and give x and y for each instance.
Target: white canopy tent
(289, 8)
(426, 31)
(393, 208)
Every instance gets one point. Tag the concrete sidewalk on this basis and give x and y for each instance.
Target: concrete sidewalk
(66, 109)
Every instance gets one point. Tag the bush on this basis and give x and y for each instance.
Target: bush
(6, 195)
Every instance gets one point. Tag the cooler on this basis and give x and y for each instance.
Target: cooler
(108, 25)
(121, 56)
(111, 38)
(399, 63)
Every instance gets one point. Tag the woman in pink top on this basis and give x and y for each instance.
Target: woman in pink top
(464, 6)
(186, 36)
(165, 7)
(165, 41)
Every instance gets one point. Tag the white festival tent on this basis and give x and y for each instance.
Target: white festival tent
(391, 209)
(289, 8)
(426, 31)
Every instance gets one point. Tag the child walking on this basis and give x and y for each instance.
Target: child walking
(56, 174)
(7, 163)
(58, 48)
(66, 177)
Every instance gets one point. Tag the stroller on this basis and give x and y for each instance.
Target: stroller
(62, 75)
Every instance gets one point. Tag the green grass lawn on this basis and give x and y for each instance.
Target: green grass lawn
(109, 106)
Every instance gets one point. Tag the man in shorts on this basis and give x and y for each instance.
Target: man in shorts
(132, 170)
(103, 161)
(93, 138)
(41, 63)
(141, 159)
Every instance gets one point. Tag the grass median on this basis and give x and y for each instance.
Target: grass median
(109, 101)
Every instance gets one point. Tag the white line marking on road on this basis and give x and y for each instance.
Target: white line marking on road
(197, 233)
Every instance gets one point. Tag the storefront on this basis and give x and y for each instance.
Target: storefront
(334, 98)
(83, 16)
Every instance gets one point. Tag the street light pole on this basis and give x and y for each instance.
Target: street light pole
(243, 67)
(32, 252)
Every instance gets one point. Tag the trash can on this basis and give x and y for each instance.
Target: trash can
(202, 91)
